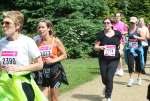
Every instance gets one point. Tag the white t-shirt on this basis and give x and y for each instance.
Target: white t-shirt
(20, 52)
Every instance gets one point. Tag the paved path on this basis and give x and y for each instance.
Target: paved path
(92, 91)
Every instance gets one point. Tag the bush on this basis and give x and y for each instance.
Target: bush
(78, 35)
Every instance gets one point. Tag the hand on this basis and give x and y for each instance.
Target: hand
(135, 36)
(11, 68)
(102, 47)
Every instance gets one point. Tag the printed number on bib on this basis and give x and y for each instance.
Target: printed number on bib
(110, 50)
(45, 51)
(133, 43)
(8, 57)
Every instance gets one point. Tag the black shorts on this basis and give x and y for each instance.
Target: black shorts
(50, 76)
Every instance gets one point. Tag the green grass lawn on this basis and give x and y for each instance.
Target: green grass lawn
(79, 71)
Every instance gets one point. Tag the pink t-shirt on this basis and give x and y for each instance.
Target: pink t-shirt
(121, 27)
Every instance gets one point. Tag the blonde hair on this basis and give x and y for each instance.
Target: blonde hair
(141, 20)
(16, 16)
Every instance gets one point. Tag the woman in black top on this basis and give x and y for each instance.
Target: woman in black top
(107, 45)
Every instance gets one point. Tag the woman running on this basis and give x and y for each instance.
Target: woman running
(107, 44)
(144, 30)
(16, 54)
(134, 51)
(52, 52)
(123, 28)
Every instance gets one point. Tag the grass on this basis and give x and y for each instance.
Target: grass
(79, 71)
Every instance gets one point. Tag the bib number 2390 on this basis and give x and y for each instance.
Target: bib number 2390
(8, 57)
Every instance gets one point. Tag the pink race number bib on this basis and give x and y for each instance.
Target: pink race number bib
(45, 51)
(8, 57)
(133, 43)
(110, 50)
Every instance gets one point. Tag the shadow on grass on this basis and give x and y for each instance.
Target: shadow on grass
(94, 70)
(88, 97)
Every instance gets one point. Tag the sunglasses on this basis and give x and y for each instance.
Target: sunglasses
(132, 23)
(5, 22)
(107, 22)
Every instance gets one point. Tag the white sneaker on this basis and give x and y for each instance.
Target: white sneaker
(116, 73)
(104, 99)
(139, 81)
(120, 72)
(130, 82)
(109, 99)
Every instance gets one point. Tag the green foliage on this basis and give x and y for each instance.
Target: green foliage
(75, 21)
(139, 8)
(78, 35)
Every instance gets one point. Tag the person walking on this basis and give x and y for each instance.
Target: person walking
(142, 28)
(134, 53)
(107, 45)
(123, 28)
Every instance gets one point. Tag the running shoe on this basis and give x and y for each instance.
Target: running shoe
(109, 99)
(130, 82)
(139, 81)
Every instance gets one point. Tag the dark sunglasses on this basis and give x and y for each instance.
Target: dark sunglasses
(5, 22)
(106, 22)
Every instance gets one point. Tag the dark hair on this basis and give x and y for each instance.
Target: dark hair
(49, 25)
(107, 18)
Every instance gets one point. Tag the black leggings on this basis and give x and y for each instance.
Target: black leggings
(28, 90)
(134, 61)
(145, 48)
(107, 70)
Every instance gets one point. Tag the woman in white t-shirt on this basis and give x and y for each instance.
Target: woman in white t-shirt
(17, 53)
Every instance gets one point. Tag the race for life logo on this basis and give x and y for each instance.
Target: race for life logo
(110, 50)
(45, 50)
(133, 43)
(8, 57)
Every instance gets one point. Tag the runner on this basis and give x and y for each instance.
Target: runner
(134, 51)
(107, 44)
(143, 29)
(52, 51)
(123, 28)
(17, 51)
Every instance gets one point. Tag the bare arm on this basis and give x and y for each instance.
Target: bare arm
(63, 54)
(142, 36)
(147, 34)
(97, 46)
(37, 65)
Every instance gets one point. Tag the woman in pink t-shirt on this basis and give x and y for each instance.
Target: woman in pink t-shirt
(123, 28)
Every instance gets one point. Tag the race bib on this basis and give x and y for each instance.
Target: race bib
(133, 43)
(110, 50)
(8, 57)
(45, 51)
